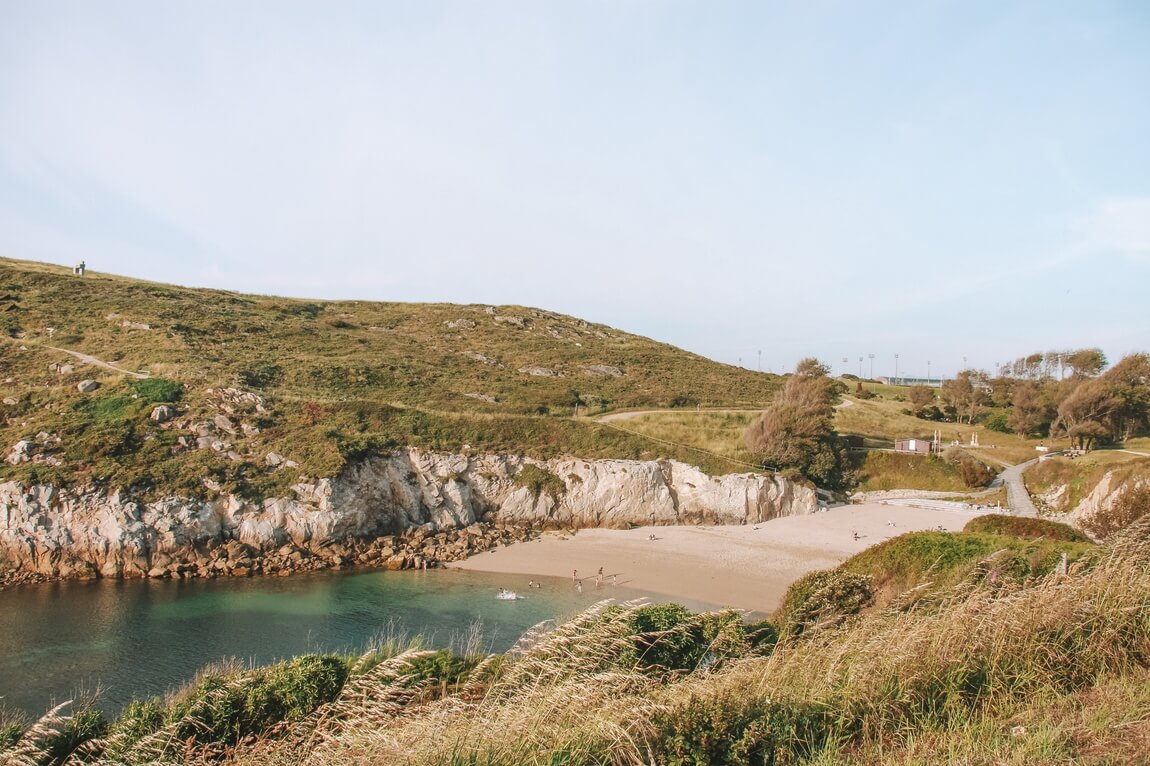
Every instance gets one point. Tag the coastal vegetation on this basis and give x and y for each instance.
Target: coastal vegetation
(982, 648)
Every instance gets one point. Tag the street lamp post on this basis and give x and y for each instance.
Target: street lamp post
(860, 366)
(896, 369)
(871, 376)
(928, 372)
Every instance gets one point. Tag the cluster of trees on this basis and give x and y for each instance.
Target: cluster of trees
(797, 431)
(1056, 394)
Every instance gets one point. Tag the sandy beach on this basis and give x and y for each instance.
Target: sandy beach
(747, 567)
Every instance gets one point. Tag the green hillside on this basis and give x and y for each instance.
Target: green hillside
(337, 379)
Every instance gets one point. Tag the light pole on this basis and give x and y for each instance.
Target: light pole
(871, 376)
(964, 364)
(928, 372)
(845, 360)
(896, 369)
(860, 366)
(760, 360)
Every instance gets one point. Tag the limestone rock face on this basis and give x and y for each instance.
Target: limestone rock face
(1100, 499)
(94, 533)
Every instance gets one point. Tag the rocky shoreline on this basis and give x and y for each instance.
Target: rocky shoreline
(401, 510)
(417, 548)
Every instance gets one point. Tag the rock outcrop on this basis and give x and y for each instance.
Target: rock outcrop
(1101, 499)
(92, 533)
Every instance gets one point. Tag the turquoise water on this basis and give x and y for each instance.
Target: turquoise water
(141, 638)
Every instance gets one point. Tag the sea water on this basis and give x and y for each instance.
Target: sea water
(140, 638)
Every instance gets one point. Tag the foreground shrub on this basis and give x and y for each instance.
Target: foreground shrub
(52, 740)
(821, 599)
(223, 708)
(729, 729)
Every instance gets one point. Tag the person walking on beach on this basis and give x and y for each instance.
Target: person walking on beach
(579, 585)
(599, 578)
(574, 575)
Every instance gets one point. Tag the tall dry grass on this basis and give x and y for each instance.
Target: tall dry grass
(994, 673)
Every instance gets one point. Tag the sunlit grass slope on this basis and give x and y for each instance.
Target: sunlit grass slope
(340, 378)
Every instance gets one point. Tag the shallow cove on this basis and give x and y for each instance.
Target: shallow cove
(140, 638)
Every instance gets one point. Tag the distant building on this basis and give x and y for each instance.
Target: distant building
(914, 446)
(905, 381)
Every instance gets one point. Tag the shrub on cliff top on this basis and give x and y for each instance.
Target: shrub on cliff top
(1025, 528)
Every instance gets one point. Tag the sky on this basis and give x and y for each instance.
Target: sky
(952, 182)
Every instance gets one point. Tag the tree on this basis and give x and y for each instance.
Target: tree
(1032, 411)
(1113, 406)
(797, 430)
(965, 394)
(921, 399)
(1129, 381)
(1084, 413)
(1086, 362)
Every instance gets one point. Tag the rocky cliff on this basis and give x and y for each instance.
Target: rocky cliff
(58, 533)
(1101, 499)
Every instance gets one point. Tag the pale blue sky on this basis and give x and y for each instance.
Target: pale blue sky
(936, 180)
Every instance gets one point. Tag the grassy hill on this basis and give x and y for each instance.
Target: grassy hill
(337, 379)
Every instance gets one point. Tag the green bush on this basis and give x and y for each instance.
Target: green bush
(762, 636)
(670, 637)
(157, 390)
(826, 597)
(666, 637)
(139, 719)
(9, 734)
(740, 730)
(1024, 527)
(227, 708)
(86, 724)
(998, 420)
(975, 473)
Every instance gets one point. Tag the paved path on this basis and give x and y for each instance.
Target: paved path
(1016, 495)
